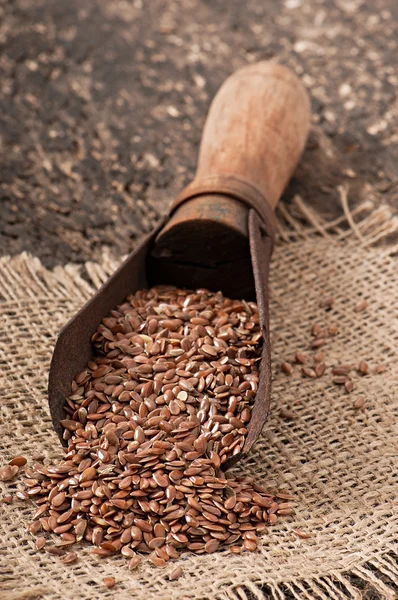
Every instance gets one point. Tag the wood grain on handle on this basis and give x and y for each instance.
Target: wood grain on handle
(252, 141)
(256, 128)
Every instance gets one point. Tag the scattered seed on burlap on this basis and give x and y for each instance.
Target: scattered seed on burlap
(308, 372)
(320, 369)
(300, 357)
(159, 409)
(302, 534)
(319, 356)
(7, 499)
(287, 368)
(69, 558)
(176, 573)
(361, 306)
(40, 542)
(109, 582)
(327, 302)
(363, 367)
(287, 414)
(359, 402)
(9, 472)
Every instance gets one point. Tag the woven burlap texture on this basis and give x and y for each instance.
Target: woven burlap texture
(339, 462)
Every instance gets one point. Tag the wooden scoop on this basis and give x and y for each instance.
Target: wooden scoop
(220, 230)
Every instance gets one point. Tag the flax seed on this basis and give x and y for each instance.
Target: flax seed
(164, 402)
(341, 370)
(361, 306)
(69, 558)
(287, 414)
(326, 302)
(318, 343)
(9, 472)
(308, 372)
(363, 367)
(320, 369)
(316, 329)
(302, 534)
(19, 461)
(300, 357)
(109, 582)
(7, 499)
(287, 368)
(134, 562)
(40, 542)
(341, 380)
(359, 403)
(176, 573)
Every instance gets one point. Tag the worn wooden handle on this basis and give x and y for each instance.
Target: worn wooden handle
(254, 135)
(256, 128)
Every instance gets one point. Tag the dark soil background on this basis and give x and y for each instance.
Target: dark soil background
(102, 105)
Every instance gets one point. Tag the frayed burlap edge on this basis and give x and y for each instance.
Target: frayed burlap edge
(23, 278)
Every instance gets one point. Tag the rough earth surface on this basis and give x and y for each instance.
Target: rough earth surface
(102, 105)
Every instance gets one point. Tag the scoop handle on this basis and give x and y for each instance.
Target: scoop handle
(255, 131)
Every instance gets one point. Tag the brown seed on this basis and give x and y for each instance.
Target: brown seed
(308, 372)
(272, 518)
(69, 558)
(235, 549)
(316, 329)
(59, 499)
(134, 562)
(157, 561)
(109, 582)
(211, 546)
(320, 369)
(230, 502)
(161, 480)
(300, 357)
(34, 527)
(7, 499)
(209, 350)
(40, 542)
(363, 367)
(9, 472)
(88, 474)
(176, 573)
(333, 329)
(326, 302)
(285, 511)
(156, 542)
(341, 370)
(318, 343)
(287, 368)
(250, 545)
(319, 356)
(361, 306)
(20, 461)
(302, 534)
(56, 550)
(287, 414)
(359, 402)
(349, 386)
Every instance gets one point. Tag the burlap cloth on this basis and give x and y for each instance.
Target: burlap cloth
(340, 463)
